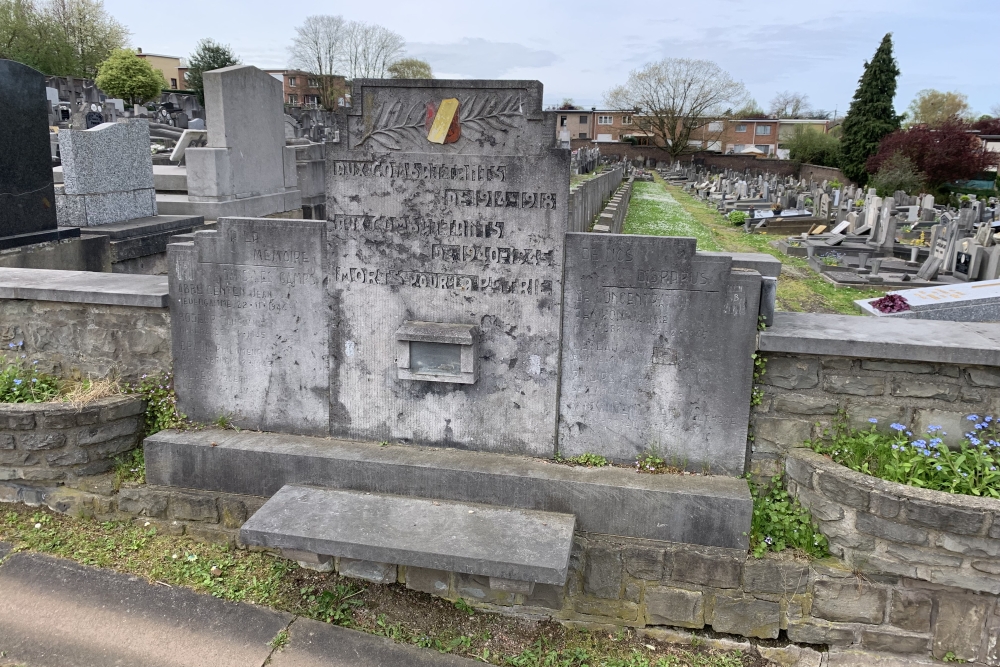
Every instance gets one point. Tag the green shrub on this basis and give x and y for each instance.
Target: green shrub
(815, 147)
(161, 403)
(973, 468)
(737, 217)
(780, 522)
(897, 173)
(21, 382)
(589, 460)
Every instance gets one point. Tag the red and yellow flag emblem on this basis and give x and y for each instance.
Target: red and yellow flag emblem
(442, 123)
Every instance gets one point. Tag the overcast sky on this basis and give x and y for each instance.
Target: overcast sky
(581, 48)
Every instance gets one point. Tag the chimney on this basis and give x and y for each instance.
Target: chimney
(138, 51)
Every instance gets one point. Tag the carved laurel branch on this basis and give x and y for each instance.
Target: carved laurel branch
(395, 124)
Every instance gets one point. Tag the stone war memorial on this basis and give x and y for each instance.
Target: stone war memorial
(418, 359)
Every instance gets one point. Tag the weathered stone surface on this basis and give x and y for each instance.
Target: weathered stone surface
(958, 628)
(842, 492)
(771, 576)
(610, 501)
(942, 517)
(603, 573)
(142, 502)
(820, 632)
(746, 616)
(546, 595)
(890, 530)
(782, 431)
(885, 506)
(232, 512)
(969, 546)
(819, 506)
(718, 568)
(613, 609)
(922, 556)
(234, 293)
(485, 589)
(910, 611)
(799, 471)
(905, 388)
(524, 545)
(193, 507)
(852, 602)
(896, 367)
(420, 233)
(378, 573)
(791, 372)
(854, 385)
(36, 441)
(801, 404)
(644, 562)
(983, 377)
(688, 395)
(675, 606)
(894, 641)
(791, 656)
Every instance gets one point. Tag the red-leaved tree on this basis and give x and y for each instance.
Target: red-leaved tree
(943, 154)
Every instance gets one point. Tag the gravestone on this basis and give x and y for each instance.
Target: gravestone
(107, 174)
(657, 352)
(249, 325)
(27, 196)
(447, 203)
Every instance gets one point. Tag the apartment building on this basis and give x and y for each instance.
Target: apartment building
(601, 125)
(302, 88)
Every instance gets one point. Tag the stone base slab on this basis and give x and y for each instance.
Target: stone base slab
(712, 511)
(18, 240)
(144, 236)
(250, 207)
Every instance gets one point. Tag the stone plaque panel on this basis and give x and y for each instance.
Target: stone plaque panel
(657, 345)
(249, 323)
(447, 203)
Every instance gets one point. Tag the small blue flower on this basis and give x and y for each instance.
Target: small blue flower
(936, 441)
(909, 434)
(974, 441)
(932, 428)
(897, 427)
(17, 381)
(987, 419)
(10, 345)
(872, 420)
(973, 418)
(34, 362)
(965, 474)
(34, 379)
(939, 467)
(895, 446)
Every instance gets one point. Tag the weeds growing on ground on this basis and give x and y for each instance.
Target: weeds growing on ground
(780, 522)
(161, 403)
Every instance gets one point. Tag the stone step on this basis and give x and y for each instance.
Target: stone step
(693, 509)
(485, 540)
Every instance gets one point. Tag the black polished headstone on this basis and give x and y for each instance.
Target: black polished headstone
(27, 198)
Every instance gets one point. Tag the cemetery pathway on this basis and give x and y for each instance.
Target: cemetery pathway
(660, 209)
(57, 613)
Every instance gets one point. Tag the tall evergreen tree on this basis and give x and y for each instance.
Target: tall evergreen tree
(208, 55)
(871, 116)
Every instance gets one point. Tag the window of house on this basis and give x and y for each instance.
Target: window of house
(173, 83)
(605, 120)
(583, 135)
(741, 127)
(764, 148)
(562, 121)
(293, 99)
(584, 120)
(763, 130)
(738, 148)
(716, 126)
(313, 83)
(311, 99)
(291, 81)
(626, 120)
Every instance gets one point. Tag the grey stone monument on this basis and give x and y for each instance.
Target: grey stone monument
(107, 174)
(27, 196)
(657, 352)
(447, 207)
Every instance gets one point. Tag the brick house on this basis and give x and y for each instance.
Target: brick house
(600, 125)
(302, 88)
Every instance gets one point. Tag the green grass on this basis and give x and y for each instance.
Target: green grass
(660, 209)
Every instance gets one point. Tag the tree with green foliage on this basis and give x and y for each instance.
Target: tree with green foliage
(934, 108)
(410, 68)
(898, 172)
(60, 37)
(815, 147)
(208, 55)
(130, 78)
(871, 115)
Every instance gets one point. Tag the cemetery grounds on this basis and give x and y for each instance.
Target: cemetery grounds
(660, 209)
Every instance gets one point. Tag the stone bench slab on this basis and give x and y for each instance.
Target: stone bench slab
(523, 545)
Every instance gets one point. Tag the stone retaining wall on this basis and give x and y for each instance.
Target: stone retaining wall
(59, 442)
(77, 340)
(804, 393)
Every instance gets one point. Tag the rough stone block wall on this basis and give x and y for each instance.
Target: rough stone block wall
(60, 442)
(803, 394)
(79, 340)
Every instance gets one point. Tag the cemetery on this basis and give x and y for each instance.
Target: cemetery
(409, 345)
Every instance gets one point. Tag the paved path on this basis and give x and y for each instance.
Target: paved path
(56, 613)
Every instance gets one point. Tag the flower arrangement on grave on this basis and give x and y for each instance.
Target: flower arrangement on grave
(972, 468)
(776, 208)
(890, 303)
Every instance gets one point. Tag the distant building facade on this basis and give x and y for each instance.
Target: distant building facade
(302, 89)
(173, 68)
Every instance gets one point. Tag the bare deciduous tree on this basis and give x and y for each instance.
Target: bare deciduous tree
(787, 104)
(318, 48)
(369, 49)
(675, 97)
